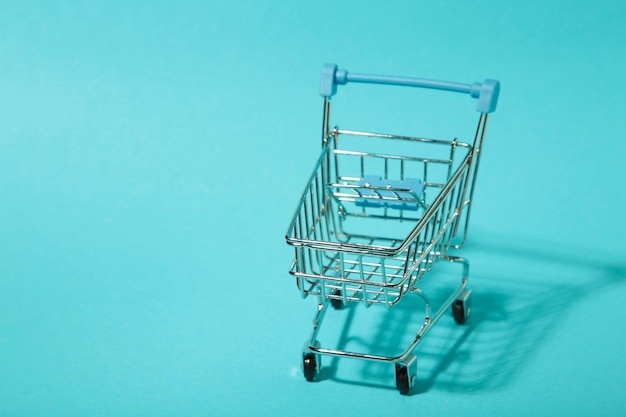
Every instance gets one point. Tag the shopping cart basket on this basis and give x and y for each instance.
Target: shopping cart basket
(377, 214)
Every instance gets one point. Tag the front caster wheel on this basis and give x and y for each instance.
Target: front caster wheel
(405, 374)
(402, 379)
(309, 366)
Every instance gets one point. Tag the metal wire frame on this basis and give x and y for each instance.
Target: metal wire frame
(334, 264)
(430, 319)
(374, 279)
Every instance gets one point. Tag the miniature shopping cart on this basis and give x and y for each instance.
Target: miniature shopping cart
(378, 212)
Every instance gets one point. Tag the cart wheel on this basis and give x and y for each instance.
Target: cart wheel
(462, 306)
(458, 312)
(403, 382)
(309, 366)
(337, 303)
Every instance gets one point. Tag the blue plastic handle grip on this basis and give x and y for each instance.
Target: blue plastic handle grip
(486, 92)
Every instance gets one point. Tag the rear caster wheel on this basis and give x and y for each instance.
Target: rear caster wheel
(462, 307)
(337, 303)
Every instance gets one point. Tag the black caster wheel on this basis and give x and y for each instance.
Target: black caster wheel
(461, 307)
(402, 379)
(337, 303)
(309, 366)
(405, 374)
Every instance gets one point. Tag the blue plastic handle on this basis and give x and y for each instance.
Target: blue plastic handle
(486, 92)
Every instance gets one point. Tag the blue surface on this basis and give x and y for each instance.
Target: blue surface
(151, 156)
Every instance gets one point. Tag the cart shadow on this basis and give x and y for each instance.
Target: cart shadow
(512, 316)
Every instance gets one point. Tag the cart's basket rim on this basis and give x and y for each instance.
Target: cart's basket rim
(449, 142)
(377, 250)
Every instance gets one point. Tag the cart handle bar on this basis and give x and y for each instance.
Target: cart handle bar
(486, 92)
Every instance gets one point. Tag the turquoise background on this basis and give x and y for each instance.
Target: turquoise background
(151, 156)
